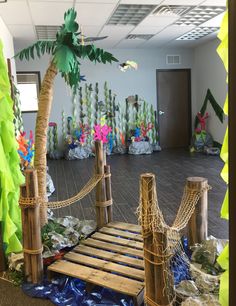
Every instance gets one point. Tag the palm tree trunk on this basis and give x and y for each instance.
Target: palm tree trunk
(44, 109)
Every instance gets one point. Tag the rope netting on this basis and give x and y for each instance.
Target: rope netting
(162, 241)
(26, 202)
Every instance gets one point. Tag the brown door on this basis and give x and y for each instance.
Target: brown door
(174, 107)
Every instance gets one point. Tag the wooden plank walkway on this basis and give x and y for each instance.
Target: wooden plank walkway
(111, 258)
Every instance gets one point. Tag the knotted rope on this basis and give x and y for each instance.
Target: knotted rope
(88, 187)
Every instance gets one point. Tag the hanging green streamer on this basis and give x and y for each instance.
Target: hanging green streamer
(10, 174)
(223, 259)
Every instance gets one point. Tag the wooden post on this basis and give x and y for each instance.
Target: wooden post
(2, 254)
(101, 212)
(107, 170)
(147, 182)
(31, 228)
(157, 275)
(198, 224)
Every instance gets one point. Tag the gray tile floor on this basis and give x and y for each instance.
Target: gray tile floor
(171, 168)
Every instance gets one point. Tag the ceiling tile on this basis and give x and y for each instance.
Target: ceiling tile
(146, 2)
(48, 13)
(106, 43)
(116, 32)
(90, 30)
(182, 2)
(159, 21)
(215, 2)
(130, 43)
(146, 30)
(22, 31)
(95, 13)
(97, 1)
(169, 34)
(214, 22)
(15, 12)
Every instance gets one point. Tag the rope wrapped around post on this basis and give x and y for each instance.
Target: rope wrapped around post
(32, 244)
(157, 276)
(161, 241)
(103, 190)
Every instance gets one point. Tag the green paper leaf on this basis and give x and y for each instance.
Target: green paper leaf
(64, 59)
(70, 24)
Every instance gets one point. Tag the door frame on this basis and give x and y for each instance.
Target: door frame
(188, 70)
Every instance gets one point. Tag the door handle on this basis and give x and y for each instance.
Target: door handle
(161, 112)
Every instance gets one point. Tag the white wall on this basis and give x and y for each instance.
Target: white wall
(209, 72)
(8, 47)
(141, 82)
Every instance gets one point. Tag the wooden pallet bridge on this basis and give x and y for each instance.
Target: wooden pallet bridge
(111, 258)
(115, 255)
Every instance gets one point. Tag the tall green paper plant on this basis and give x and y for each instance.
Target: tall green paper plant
(66, 51)
(10, 174)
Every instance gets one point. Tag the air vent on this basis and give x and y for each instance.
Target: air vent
(199, 15)
(130, 14)
(171, 10)
(173, 59)
(46, 32)
(198, 33)
(139, 36)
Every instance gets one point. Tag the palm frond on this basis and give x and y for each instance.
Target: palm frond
(94, 54)
(39, 48)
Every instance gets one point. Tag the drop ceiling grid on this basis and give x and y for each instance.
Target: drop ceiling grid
(92, 14)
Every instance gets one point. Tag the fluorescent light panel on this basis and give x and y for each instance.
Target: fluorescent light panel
(130, 14)
(199, 15)
(198, 33)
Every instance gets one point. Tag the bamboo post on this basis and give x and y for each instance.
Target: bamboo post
(31, 228)
(101, 211)
(147, 185)
(198, 224)
(2, 255)
(107, 170)
(159, 286)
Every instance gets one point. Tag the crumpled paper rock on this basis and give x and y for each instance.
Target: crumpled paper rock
(206, 283)
(67, 221)
(202, 300)
(79, 152)
(186, 288)
(156, 147)
(207, 252)
(15, 261)
(49, 185)
(74, 231)
(141, 147)
(120, 149)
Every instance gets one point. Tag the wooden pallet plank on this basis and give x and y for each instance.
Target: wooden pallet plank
(125, 234)
(134, 262)
(125, 226)
(115, 282)
(113, 247)
(117, 240)
(105, 265)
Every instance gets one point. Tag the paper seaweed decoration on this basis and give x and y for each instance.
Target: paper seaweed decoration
(26, 149)
(101, 132)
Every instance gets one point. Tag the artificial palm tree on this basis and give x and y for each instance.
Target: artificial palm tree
(66, 50)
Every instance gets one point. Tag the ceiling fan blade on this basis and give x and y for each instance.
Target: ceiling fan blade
(89, 39)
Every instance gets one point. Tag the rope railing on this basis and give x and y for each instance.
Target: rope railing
(162, 241)
(26, 202)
